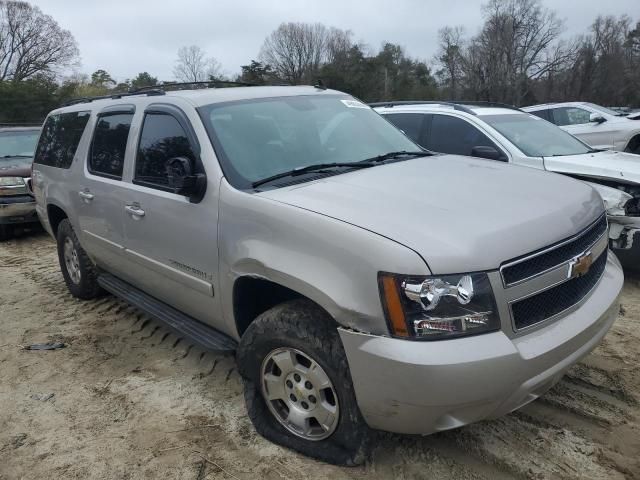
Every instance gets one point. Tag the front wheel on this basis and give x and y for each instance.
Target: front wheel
(298, 388)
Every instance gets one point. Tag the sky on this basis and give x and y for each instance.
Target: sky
(125, 37)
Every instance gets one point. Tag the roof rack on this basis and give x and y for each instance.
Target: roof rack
(160, 90)
(454, 105)
(26, 124)
(477, 103)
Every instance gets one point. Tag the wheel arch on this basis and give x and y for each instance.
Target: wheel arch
(55, 215)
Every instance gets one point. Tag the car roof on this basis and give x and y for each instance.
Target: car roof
(19, 128)
(477, 110)
(542, 106)
(201, 96)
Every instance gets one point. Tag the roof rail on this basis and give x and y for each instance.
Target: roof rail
(477, 103)
(201, 84)
(454, 105)
(15, 124)
(113, 96)
(159, 90)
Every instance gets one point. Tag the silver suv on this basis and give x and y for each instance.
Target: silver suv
(362, 281)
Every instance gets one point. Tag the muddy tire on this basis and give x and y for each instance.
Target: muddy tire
(5, 232)
(79, 272)
(319, 382)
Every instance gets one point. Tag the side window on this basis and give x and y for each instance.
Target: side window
(106, 157)
(454, 135)
(570, 116)
(59, 139)
(545, 114)
(410, 123)
(162, 138)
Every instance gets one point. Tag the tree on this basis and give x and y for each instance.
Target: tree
(143, 79)
(296, 51)
(449, 57)
(257, 73)
(193, 65)
(32, 43)
(101, 79)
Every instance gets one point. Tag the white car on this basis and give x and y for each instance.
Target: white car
(598, 126)
(507, 134)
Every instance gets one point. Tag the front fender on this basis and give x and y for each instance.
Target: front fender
(331, 262)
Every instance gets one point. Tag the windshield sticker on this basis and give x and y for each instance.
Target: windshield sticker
(354, 104)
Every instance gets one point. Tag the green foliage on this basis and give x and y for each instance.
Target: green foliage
(257, 73)
(27, 101)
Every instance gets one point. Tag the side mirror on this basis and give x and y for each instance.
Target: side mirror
(596, 118)
(486, 152)
(182, 180)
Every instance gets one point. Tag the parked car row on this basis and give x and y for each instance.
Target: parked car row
(17, 206)
(363, 281)
(510, 135)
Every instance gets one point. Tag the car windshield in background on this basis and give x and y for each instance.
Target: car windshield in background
(18, 143)
(258, 139)
(536, 137)
(608, 111)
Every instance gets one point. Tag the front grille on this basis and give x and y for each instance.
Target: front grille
(541, 306)
(557, 256)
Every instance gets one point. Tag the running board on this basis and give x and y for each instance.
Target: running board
(182, 325)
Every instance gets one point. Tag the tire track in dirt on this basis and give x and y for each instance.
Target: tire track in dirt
(125, 382)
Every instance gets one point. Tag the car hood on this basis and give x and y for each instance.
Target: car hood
(460, 214)
(15, 167)
(619, 166)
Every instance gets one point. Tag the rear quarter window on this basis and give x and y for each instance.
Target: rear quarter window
(59, 139)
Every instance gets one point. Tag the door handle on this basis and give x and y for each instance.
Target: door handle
(134, 210)
(86, 195)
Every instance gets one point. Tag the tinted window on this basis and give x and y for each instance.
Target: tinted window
(109, 144)
(256, 139)
(162, 138)
(454, 135)
(409, 123)
(546, 114)
(570, 116)
(60, 137)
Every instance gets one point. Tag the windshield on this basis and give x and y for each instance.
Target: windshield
(18, 143)
(605, 110)
(257, 139)
(536, 137)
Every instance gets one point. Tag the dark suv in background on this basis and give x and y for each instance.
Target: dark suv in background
(17, 206)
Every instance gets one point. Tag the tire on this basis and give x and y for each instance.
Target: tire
(634, 145)
(81, 277)
(303, 326)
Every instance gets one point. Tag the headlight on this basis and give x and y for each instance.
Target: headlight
(11, 182)
(614, 199)
(439, 307)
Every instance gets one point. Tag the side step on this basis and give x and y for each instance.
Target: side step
(182, 325)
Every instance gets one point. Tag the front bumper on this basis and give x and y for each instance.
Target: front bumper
(419, 387)
(17, 209)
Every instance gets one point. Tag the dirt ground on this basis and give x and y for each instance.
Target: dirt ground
(125, 400)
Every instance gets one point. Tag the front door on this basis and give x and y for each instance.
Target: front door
(575, 120)
(170, 242)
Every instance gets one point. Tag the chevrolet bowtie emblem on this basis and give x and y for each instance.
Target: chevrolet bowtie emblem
(580, 265)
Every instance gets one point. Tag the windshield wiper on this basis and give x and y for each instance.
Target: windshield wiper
(16, 156)
(310, 168)
(401, 153)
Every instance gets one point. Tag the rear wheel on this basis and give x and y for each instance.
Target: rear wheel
(5, 232)
(298, 388)
(634, 145)
(79, 272)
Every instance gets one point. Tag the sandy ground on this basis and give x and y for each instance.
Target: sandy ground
(131, 402)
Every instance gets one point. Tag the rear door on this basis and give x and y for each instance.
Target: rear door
(98, 196)
(171, 242)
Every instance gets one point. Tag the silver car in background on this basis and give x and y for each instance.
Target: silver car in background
(362, 281)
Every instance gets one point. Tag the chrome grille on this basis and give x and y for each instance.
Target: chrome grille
(533, 264)
(544, 305)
